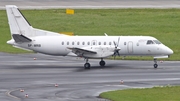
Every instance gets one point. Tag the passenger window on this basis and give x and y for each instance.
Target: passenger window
(93, 43)
(88, 43)
(109, 43)
(124, 43)
(99, 43)
(77, 43)
(72, 43)
(104, 43)
(62, 43)
(83, 43)
(137, 44)
(150, 42)
(67, 43)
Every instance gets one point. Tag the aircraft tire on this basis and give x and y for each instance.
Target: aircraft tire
(87, 66)
(155, 65)
(102, 63)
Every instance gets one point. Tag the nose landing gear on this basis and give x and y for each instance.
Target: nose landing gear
(155, 63)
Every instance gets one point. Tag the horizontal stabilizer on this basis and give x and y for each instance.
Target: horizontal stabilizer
(22, 48)
(20, 38)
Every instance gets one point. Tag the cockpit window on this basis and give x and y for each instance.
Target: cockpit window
(157, 42)
(150, 42)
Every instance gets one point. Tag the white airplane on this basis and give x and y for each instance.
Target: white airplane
(24, 36)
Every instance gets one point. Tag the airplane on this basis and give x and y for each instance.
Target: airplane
(24, 36)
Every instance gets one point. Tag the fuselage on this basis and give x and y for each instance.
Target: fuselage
(24, 36)
(129, 45)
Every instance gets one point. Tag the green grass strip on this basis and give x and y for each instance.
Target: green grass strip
(167, 93)
(164, 24)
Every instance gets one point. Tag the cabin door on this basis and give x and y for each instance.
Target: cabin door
(130, 47)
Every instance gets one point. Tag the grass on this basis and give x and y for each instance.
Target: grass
(147, 94)
(160, 23)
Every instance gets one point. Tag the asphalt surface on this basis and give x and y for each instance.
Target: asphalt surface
(37, 75)
(90, 4)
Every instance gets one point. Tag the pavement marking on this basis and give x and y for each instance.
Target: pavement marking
(8, 93)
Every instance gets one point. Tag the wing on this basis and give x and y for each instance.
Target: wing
(92, 51)
(81, 51)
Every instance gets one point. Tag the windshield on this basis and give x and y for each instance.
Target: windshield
(150, 42)
(157, 42)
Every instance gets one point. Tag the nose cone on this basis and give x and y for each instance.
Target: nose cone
(169, 51)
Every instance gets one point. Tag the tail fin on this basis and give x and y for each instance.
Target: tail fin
(21, 30)
(18, 24)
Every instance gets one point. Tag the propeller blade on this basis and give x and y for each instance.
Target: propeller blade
(116, 50)
(115, 44)
(118, 53)
(118, 41)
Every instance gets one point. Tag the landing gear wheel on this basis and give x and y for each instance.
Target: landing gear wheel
(155, 65)
(102, 63)
(87, 66)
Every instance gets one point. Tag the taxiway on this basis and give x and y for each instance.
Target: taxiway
(37, 75)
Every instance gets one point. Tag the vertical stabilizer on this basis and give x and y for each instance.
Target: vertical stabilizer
(17, 22)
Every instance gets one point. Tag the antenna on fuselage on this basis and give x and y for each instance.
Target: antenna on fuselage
(105, 34)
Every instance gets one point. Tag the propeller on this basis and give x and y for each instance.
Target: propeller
(116, 50)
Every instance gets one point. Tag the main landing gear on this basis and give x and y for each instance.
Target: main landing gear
(155, 63)
(102, 63)
(88, 66)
